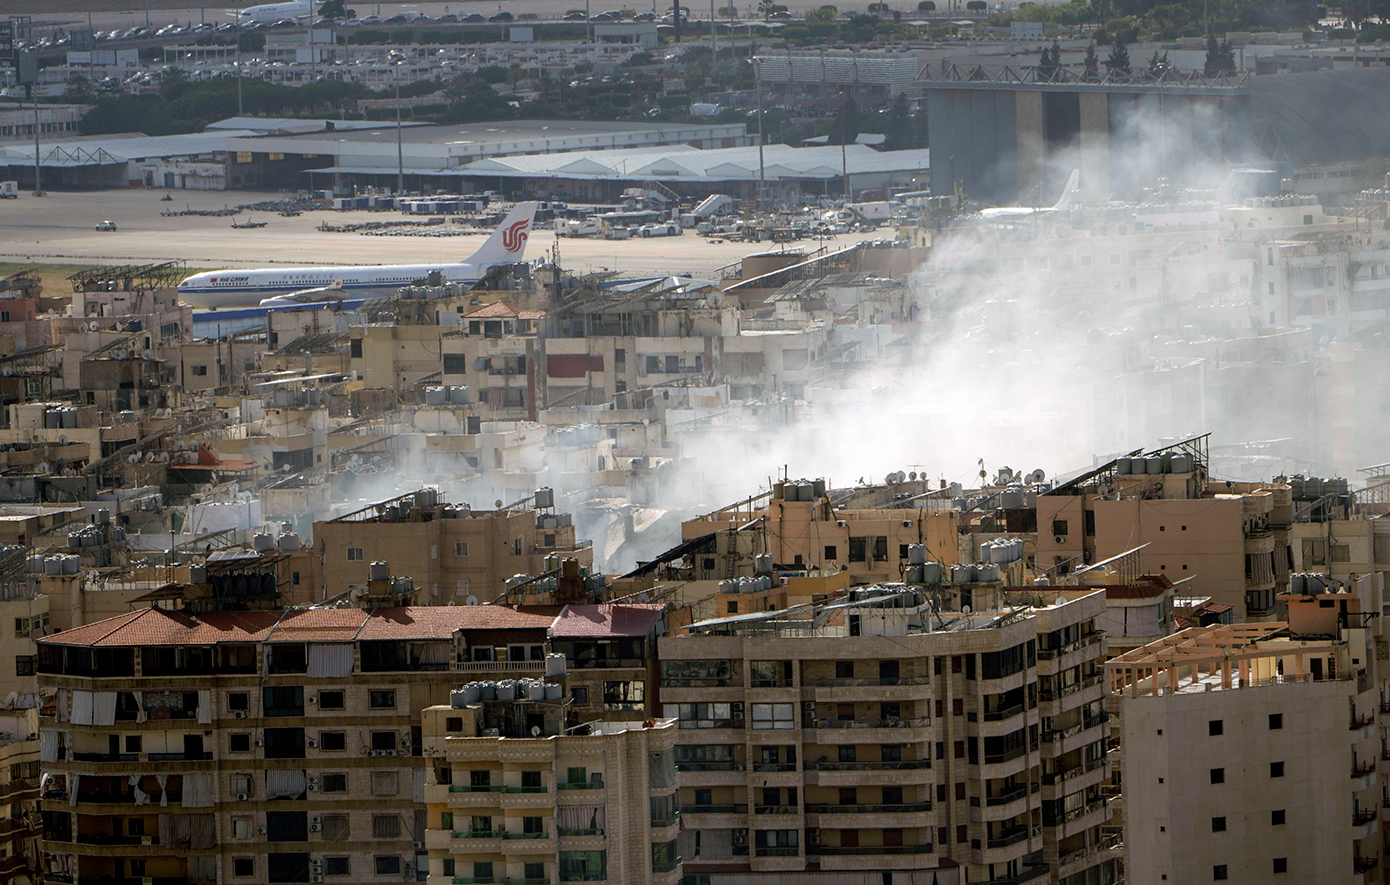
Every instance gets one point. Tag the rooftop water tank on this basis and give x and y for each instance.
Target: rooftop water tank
(916, 554)
(556, 665)
(435, 396)
(554, 691)
(931, 573)
(545, 497)
(53, 565)
(379, 570)
(289, 542)
(262, 542)
(198, 574)
(1122, 466)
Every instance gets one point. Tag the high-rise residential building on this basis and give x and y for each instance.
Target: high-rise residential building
(245, 747)
(879, 732)
(513, 795)
(1250, 752)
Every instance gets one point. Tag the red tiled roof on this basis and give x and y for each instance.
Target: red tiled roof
(501, 309)
(154, 626)
(607, 620)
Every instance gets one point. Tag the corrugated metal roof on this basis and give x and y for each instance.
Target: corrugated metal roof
(119, 148)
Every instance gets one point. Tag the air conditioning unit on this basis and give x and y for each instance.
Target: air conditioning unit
(738, 767)
(388, 752)
(313, 787)
(242, 797)
(907, 523)
(316, 877)
(1059, 539)
(418, 846)
(316, 863)
(146, 840)
(313, 699)
(313, 743)
(813, 835)
(841, 524)
(368, 751)
(258, 742)
(315, 825)
(260, 830)
(405, 743)
(808, 708)
(740, 837)
(736, 710)
(240, 714)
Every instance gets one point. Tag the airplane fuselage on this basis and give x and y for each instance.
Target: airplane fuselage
(245, 288)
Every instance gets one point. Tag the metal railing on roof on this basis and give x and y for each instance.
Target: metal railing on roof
(1059, 76)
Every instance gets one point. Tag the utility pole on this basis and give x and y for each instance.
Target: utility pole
(38, 171)
(400, 151)
(239, 111)
(762, 134)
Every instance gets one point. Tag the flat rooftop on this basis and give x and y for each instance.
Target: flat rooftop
(492, 132)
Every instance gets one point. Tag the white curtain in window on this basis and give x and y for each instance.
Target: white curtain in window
(104, 708)
(81, 707)
(48, 745)
(140, 714)
(204, 707)
(434, 652)
(62, 705)
(284, 783)
(330, 660)
(72, 788)
(579, 817)
(163, 781)
(140, 797)
(197, 790)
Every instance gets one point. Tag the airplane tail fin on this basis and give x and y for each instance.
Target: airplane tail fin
(1064, 201)
(507, 245)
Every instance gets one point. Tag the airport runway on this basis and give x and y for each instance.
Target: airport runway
(60, 229)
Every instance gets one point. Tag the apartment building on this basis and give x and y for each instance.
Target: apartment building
(452, 552)
(1230, 540)
(877, 732)
(513, 795)
(1249, 750)
(271, 746)
(802, 525)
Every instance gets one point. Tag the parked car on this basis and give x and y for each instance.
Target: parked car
(575, 16)
(503, 16)
(664, 229)
(474, 17)
(449, 19)
(106, 225)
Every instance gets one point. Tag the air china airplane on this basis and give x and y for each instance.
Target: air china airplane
(248, 288)
(274, 12)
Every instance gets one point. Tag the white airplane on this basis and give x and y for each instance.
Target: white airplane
(1063, 203)
(248, 288)
(274, 12)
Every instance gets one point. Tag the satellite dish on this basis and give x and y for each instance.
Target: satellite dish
(62, 439)
(965, 609)
(1061, 600)
(498, 504)
(471, 600)
(535, 731)
(1037, 475)
(912, 476)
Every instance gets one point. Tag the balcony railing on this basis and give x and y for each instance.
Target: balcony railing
(869, 766)
(1011, 796)
(1047, 654)
(1028, 875)
(1364, 816)
(1006, 756)
(772, 683)
(867, 809)
(850, 682)
(587, 785)
(1365, 864)
(716, 809)
(774, 766)
(708, 766)
(777, 852)
(870, 723)
(1360, 722)
(1003, 714)
(1007, 839)
(829, 850)
(1361, 769)
(1055, 694)
(775, 809)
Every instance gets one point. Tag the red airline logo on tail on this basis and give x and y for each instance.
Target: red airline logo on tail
(514, 237)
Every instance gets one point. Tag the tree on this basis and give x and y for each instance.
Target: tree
(336, 9)
(825, 15)
(1158, 63)
(847, 123)
(1221, 58)
(1092, 63)
(897, 130)
(1117, 62)
(1050, 64)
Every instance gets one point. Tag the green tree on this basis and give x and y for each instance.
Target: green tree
(847, 122)
(825, 15)
(1050, 64)
(897, 125)
(1092, 63)
(1158, 63)
(1221, 58)
(1117, 62)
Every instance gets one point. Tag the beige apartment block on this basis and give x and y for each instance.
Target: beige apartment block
(513, 796)
(1249, 755)
(877, 732)
(247, 747)
(451, 552)
(809, 532)
(1230, 541)
(20, 821)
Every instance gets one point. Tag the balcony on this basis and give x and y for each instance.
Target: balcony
(868, 809)
(793, 851)
(1005, 798)
(716, 809)
(1028, 875)
(1361, 769)
(848, 850)
(1048, 654)
(1360, 722)
(770, 683)
(776, 809)
(1004, 840)
(500, 667)
(998, 715)
(849, 682)
(1365, 864)
(868, 766)
(774, 766)
(1057, 694)
(708, 766)
(587, 785)
(1363, 816)
(1093, 852)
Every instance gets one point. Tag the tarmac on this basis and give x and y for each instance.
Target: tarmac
(60, 229)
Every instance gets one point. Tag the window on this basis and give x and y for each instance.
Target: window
(1059, 527)
(847, 753)
(1276, 769)
(241, 784)
(388, 865)
(383, 740)
(1218, 825)
(283, 700)
(531, 825)
(284, 743)
(582, 866)
(460, 548)
(382, 700)
(533, 872)
(21, 628)
(238, 700)
(201, 371)
(241, 828)
(330, 700)
(482, 871)
(1281, 864)
(627, 695)
(1276, 721)
(337, 866)
(243, 866)
(704, 716)
(773, 716)
(332, 740)
(1276, 817)
(336, 828)
(384, 783)
(1215, 727)
(335, 783)
(858, 549)
(133, 743)
(1218, 872)
(354, 554)
(1218, 775)
(386, 826)
(831, 552)
(239, 743)
(580, 696)
(24, 665)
